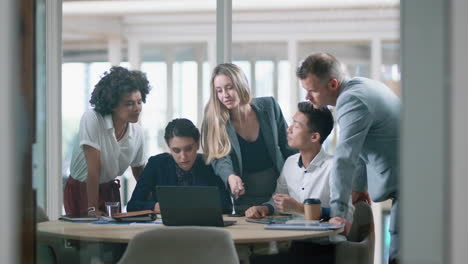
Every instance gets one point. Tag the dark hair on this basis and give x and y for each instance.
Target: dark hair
(323, 65)
(181, 127)
(115, 84)
(318, 119)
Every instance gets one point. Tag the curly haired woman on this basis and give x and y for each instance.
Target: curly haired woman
(110, 140)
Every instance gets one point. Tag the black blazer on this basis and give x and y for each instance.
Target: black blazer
(161, 170)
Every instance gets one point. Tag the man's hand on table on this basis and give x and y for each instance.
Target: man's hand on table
(341, 221)
(256, 212)
(285, 204)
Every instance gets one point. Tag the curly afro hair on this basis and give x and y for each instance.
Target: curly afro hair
(115, 84)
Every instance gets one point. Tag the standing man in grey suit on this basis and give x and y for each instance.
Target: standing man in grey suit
(366, 156)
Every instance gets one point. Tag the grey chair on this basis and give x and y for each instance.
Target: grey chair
(359, 248)
(44, 249)
(41, 215)
(181, 245)
(51, 249)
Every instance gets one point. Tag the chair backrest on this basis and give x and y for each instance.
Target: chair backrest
(41, 216)
(363, 222)
(181, 245)
(359, 247)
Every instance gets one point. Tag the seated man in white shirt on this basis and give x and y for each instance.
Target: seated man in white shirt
(306, 174)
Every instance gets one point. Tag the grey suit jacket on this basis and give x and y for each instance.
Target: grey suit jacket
(368, 115)
(274, 129)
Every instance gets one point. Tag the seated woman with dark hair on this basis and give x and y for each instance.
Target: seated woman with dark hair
(181, 167)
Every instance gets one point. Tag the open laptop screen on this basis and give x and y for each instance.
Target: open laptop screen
(190, 205)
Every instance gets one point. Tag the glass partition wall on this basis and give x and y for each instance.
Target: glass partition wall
(175, 46)
(177, 69)
(270, 44)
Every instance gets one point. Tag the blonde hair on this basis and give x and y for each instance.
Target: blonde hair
(214, 139)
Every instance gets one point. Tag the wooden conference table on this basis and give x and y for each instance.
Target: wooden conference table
(244, 234)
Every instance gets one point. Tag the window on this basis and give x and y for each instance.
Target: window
(177, 49)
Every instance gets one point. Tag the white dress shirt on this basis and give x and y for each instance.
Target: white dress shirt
(98, 132)
(312, 181)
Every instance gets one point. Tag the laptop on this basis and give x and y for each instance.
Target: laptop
(190, 206)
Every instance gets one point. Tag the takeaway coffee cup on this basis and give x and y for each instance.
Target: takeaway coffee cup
(312, 209)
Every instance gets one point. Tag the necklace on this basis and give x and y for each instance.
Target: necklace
(120, 135)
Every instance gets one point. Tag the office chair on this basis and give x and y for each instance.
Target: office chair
(51, 249)
(359, 248)
(181, 245)
(45, 251)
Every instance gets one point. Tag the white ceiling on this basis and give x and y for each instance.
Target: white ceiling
(89, 25)
(126, 7)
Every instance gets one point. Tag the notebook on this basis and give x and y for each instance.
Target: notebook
(270, 220)
(190, 205)
(137, 216)
(302, 226)
(78, 219)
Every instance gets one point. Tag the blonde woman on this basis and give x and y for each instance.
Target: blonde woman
(243, 138)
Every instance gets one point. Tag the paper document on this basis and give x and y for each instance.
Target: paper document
(270, 220)
(77, 219)
(302, 226)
